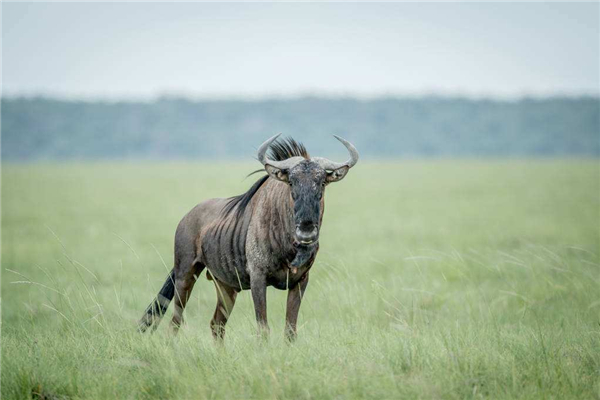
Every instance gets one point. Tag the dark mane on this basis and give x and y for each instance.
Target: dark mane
(278, 151)
(287, 148)
(243, 200)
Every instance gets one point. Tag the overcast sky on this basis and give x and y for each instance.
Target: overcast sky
(135, 50)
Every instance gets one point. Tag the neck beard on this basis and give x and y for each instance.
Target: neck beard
(303, 254)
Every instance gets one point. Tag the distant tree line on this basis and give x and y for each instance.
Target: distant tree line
(174, 128)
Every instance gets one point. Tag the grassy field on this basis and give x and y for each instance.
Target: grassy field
(441, 279)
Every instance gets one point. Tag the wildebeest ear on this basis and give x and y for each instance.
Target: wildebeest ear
(337, 175)
(276, 173)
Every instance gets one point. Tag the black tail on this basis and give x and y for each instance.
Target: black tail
(159, 305)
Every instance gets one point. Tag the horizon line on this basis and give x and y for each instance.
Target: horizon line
(194, 97)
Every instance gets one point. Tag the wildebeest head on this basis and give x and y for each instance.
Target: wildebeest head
(307, 178)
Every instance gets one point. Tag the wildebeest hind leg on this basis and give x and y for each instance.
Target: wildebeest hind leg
(225, 301)
(185, 278)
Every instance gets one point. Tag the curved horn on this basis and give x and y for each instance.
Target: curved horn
(331, 166)
(262, 150)
(264, 160)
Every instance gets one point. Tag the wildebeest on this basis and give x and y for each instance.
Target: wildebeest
(268, 236)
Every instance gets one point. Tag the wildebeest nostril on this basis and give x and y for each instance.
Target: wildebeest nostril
(307, 226)
(307, 235)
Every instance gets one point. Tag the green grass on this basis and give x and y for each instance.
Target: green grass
(445, 279)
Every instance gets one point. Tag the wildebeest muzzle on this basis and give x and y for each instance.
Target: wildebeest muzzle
(307, 233)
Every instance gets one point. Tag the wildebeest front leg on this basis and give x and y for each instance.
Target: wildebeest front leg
(258, 287)
(294, 299)
(225, 301)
